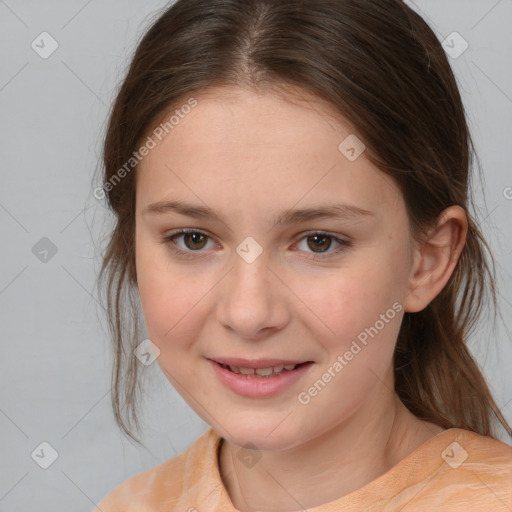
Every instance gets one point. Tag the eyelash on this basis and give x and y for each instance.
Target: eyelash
(169, 241)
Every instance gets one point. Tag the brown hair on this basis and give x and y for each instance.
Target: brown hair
(383, 69)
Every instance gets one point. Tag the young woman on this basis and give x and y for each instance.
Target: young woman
(290, 181)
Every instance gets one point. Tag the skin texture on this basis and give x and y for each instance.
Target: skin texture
(251, 155)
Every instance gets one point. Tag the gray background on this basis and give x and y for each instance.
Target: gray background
(55, 361)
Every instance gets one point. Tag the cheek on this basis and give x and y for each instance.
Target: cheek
(167, 306)
(352, 298)
(361, 318)
(165, 297)
(175, 304)
(357, 316)
(169, 317)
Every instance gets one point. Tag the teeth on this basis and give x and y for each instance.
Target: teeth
(263, 372)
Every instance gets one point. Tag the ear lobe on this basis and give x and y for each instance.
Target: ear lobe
(435, 259)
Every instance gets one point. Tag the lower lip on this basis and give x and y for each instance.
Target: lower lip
(258, 387)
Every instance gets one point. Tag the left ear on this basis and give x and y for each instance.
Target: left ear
(435, 259)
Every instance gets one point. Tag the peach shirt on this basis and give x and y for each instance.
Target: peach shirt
(456, 470)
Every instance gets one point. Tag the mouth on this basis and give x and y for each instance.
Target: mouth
(259, 379)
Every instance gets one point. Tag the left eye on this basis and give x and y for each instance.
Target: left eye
(324, 241)
(196, 240)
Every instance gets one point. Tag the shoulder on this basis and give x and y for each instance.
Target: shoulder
(162, 485)
(479, 452)
(475, 472)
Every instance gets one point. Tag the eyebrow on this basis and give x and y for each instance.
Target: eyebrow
(291, 216)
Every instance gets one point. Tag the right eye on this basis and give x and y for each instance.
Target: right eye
(193, 239)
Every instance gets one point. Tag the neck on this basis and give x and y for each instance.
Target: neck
(352, 454)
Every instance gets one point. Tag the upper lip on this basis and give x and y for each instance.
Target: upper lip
(255, 363)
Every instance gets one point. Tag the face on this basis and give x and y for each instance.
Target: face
(323, 289)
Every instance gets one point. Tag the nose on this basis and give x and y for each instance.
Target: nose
(252, 300)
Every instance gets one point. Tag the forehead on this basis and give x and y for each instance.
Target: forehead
(260, 147)
(273, 117)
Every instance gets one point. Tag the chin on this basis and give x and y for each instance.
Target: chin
(262, 436)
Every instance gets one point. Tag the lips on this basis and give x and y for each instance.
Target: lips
(256, 385)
